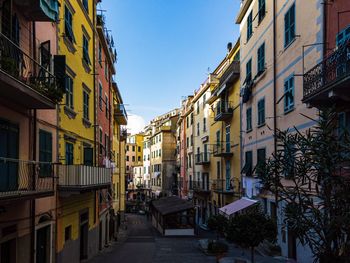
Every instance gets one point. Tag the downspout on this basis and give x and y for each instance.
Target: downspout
(274, 95)
(94, 89)
(32, 202)
(325, 45)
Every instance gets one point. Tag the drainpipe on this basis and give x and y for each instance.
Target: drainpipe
(32, 201)
(325, 46)
(274, 92)
(94, 78)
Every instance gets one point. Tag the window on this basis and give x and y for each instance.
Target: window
(289, 26)
(160, 152)
(68, 22)
(289, 156)
(261, 112)
(343, 36)
(198, 129)
(127, 148)
(160, 137)
(204, 124)
(228, 175)
(261, 159)
(262, 10)
(133, 148)
(106, 144)
(248, 163)
(248, 70)
(133, 158)
(139, 149)
(69, 92)
(100, 95)
(86, 5)
(99, 52)
(192, 140)
(45, 153)
(69, 153)
(86, 56)
(85, 105)
(139, 158)
(217, 138)
(187, 142)
(187, 122)
(107, 107)
(250, 26)
(127, 159)
(68, 233)
(289, 94)
(261, 59)
(204, 100)
(249, 119)
(191, 118)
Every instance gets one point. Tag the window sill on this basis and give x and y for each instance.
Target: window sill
(86, 123)
(288, 111)
(249, 131)
(69, 44)
(70, 112)
(290, 43)
(261, 125)
(86, 66)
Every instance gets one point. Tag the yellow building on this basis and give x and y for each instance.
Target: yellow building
(78, 214)
(225, 130)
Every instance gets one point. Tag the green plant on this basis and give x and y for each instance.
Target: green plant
(9, 65)
(217, 247)
(217, 223)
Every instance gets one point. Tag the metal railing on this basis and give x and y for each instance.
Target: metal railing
(202, 158)
(83, 176)
(332, 69)
(22, 177)
(224, 109)
(222, 185)
(200, 186)
(222, 149)
(15, 62)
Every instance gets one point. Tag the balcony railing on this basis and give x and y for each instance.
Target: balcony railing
(223, 111)
(202, 158)
(222, 186)
(25, 179)
(25, 81)
(222, 150)
(81, 177)
(120, 114)
(200, 186)
(333, 73)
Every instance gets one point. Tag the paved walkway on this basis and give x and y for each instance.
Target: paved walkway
(140, 243)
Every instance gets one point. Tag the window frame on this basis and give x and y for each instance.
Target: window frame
(261, 59)
(289, 94)
(249, 122)
(261, 112)
(289, 26)
(69, 92)
(68, 24)
(250, 25)
(86, 105)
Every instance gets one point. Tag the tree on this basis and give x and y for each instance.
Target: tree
(217, 223)
(310, 176)
(251, 228)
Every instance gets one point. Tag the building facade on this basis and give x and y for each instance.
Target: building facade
(273, 38)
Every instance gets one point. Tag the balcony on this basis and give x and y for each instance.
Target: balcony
(199, 186)
(123, 134)
(222, 150)
(222, 186)
(328, 82)
(120, 114)
(80, 178)
(223, 111)
(24, 81)
(20, 179)
(39, 10)
(202, 158)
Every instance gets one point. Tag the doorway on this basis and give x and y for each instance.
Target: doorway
(84, 232)
(8, 251)
(43, 239)
(292, 245)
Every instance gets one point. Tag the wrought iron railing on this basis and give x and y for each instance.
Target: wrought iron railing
(15, 62)
(199, 186)
(202, 158)
(83, 176)
(332, 69)
(22, 177)
(223, 108)
(222, 185)
(223, 148)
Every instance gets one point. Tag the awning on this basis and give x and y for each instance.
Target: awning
(237, 206)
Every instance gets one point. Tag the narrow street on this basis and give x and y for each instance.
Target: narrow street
(140, 243)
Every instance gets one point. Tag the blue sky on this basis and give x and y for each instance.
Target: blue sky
(165, 48)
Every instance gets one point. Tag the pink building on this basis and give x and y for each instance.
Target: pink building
(29, 93)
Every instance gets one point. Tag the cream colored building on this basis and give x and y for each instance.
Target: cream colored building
(273, 35)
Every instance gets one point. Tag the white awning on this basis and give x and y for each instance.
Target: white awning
(237, 206)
